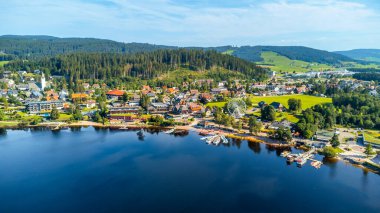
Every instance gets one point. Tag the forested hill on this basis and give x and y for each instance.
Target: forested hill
(253, 53)
(363, 54)
(32, 47)
(146, 65)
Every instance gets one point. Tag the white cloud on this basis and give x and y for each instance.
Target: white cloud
(168, 22)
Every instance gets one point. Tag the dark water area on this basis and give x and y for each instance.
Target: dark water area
(88, 170)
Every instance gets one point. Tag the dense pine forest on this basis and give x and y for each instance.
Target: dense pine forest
(146, 65)
(32, 47)
(367, 76)
(253, 53)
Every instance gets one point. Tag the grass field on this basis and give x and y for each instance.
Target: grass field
(8, 123)
(280, 63)
(307, 100)
(64, 117)
(2, 63)
(372, 136)
(216, 104)
(228, 52)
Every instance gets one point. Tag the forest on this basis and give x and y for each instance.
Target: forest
(367, 76)
(354, 109)
(142, 66)
(32, 47)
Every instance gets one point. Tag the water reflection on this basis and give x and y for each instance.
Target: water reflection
(3, 132)
(255, 147)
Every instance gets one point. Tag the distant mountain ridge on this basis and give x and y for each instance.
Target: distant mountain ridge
(40, 46)
(362, 54)
(29, 47)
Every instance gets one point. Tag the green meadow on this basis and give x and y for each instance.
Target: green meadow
(308, 101)
(280, 63)
(2, 63)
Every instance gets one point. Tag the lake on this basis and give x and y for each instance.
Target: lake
(89, 170)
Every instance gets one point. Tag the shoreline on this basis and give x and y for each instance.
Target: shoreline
(200, 131)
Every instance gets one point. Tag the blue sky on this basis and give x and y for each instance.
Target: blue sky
(323, 24)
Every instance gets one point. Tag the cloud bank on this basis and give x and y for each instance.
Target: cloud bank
(328, 24)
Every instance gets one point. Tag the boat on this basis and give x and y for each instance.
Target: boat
(57, 128)
(217, 140)
(210, 139)
(123, 128)
(224, 139)
(316, 164)
(301, 161)
(285, 154)
(290, 158)
(170, 131)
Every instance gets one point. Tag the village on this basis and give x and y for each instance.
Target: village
(34, 98)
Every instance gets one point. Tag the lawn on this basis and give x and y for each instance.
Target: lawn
(281, 63)
(2, 63)
(307, 100)
(216, 104)
(8, 123)
(290, 117)
(372, 136)
(228, 52)
(64, 117)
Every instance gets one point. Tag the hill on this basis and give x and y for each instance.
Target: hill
(372, 55)
(31, 47)
(306, 54)
(144, 65)
(37, 46)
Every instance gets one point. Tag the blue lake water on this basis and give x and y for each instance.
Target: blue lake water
(90, 170)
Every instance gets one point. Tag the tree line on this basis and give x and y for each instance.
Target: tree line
(147, 65)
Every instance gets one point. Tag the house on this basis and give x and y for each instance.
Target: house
(124, 110)
(36, 95)
(12, 92)
(95, 86)
(63, 94)
(79, 97)
(6, 74)
(8, 82)
(194, 92)
(180, 109)
(171, 90)
(136, 98)
(86, 85)
(33, 86)
(206, 97)
(283, 124)
(90, 103)
(22, 87)
(51, 95)
(21, 72)
(373, 93)
(277, 106)
(146, 88)
(261, 104)
(114, 94)
(158, 108)
(194, 108)
(39, 106)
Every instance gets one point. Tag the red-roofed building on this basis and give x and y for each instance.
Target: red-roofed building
(112, 94)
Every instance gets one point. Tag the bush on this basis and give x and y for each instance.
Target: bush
(331, 152)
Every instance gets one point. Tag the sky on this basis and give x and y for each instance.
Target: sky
(323, 24)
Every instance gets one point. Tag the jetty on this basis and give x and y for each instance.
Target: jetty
(302, 158)
(215, 139)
